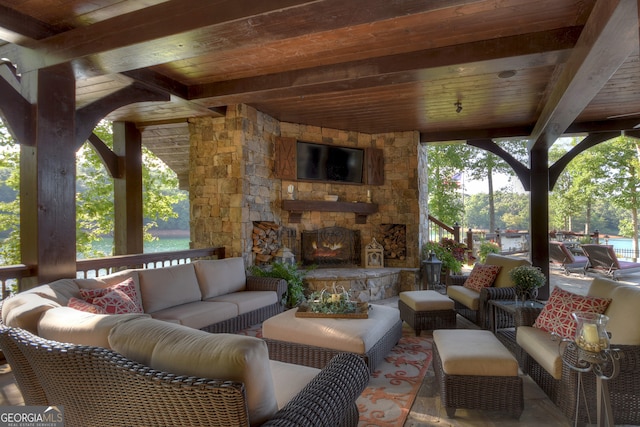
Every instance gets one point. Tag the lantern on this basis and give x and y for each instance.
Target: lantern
(431, 268)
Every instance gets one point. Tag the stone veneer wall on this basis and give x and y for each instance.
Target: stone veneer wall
(232, 182)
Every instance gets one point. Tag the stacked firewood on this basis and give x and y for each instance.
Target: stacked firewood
(266, 241)
(394, 241)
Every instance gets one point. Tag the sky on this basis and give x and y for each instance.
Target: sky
(500, 182)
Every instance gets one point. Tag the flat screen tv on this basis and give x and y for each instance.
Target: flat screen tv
(329, 163)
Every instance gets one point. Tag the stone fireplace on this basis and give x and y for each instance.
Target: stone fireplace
(331, 247)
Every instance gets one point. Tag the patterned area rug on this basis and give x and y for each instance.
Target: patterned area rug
(392, 389)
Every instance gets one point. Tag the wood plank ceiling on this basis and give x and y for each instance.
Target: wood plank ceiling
(518, 68)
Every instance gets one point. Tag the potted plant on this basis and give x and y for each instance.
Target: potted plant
(527, 279)
(448, 251)
(486, 248)
(293, 275)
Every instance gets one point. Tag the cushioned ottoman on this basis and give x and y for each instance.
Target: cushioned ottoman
(426, 310)
(475, 371)
(314, 341)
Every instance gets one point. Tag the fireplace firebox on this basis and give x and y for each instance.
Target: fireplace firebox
(331, 247)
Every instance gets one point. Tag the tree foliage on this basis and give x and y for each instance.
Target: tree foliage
(445, 162)
(94, 195)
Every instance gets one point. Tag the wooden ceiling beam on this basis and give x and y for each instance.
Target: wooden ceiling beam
(487, 56)
(21, 29)
(173, 30)
(609, 36)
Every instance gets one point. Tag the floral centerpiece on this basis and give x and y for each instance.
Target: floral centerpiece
(332, 303)
(527, 279)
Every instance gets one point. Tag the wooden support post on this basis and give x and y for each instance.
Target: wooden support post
(128, 234)
(48, 179)
(539, 208)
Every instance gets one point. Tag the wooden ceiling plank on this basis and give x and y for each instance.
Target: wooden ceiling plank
(487, 56)
(609, 36)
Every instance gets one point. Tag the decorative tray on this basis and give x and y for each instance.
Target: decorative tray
(361, 312)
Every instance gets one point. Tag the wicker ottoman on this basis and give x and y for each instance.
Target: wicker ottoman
(475, 371)
(314, 341)
(426, 310)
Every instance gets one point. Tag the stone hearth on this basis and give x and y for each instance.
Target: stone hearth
(366, 284)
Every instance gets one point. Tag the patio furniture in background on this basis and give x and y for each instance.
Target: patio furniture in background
(560, 254)
(603, 258)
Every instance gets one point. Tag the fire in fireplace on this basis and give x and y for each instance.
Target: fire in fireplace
(331, 247)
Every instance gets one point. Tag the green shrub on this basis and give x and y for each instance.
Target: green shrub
(486, 248)
(293, 275)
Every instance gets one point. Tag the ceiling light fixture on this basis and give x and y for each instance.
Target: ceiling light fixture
(506, 74)
(458, 106)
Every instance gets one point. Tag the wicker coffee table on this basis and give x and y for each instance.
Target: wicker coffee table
(314, 341)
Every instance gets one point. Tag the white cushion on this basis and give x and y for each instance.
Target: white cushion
(185, 351)
(220, 276)
(169, 286)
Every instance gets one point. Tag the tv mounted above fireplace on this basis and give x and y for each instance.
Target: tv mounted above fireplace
(329, 163)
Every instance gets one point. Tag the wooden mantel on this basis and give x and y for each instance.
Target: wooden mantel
(297, 207)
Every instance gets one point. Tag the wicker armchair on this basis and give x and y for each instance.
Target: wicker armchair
(624, 390)
(99, 387)
(502, 289)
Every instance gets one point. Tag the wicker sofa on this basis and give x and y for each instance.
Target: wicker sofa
(212, 295)
(168, 374)
(539, 356)
(472, 304)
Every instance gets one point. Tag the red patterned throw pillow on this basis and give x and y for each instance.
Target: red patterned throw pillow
(482, 276)
(82, 305)
(556, 315)
(117, 299)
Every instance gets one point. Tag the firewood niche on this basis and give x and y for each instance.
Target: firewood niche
(297, 207)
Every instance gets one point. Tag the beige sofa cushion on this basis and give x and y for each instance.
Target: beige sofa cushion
(59, 291)
(539, 345)
(465, 296)
(185, 351)
(289, 379)
(624, 309)
(220, 276)
(110, 280)
(473, 352)
(65, 324)
(352, 335)
(169, 286)
(426, 300)
(247, 301)
(197, 314)
(503, 280)
(24, 310)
